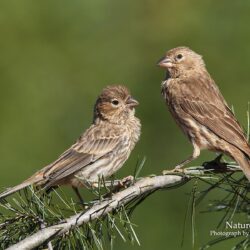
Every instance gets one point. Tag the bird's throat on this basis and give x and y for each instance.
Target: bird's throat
(167, 75)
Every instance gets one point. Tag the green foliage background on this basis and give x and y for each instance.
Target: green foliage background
(56, 56)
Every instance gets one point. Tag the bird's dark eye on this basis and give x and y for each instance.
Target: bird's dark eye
(179, 56)
(115, 102)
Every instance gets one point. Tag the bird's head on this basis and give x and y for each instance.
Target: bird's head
(115, 104)
(181, 60)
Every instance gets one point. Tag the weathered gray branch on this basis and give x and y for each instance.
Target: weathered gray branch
(143, 186)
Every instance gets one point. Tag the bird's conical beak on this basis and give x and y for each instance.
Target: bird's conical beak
(165, 62)
(132, 102)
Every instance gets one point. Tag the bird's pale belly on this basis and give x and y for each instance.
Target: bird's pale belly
(103, 168)
(204, 137)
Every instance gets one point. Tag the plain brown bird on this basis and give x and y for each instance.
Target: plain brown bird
(100, 151)
(200, 110)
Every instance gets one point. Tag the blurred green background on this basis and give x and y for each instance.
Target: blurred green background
(55, 58)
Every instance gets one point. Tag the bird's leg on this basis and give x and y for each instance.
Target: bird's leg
(120, 184)
(195, 154)
(127, 181)
(124, 182)
(78, 195)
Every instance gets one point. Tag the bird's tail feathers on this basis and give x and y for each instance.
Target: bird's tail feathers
(244, 162)
(32, 180)
(12, 190)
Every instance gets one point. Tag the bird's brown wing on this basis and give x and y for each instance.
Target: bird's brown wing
(217, 118)
(91, 146)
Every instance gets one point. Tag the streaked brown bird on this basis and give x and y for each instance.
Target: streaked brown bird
(100, 151)
(199, 108)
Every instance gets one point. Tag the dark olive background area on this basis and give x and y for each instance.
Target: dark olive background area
(55, 58)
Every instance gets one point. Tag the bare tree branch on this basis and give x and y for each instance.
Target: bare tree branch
(141, 187)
